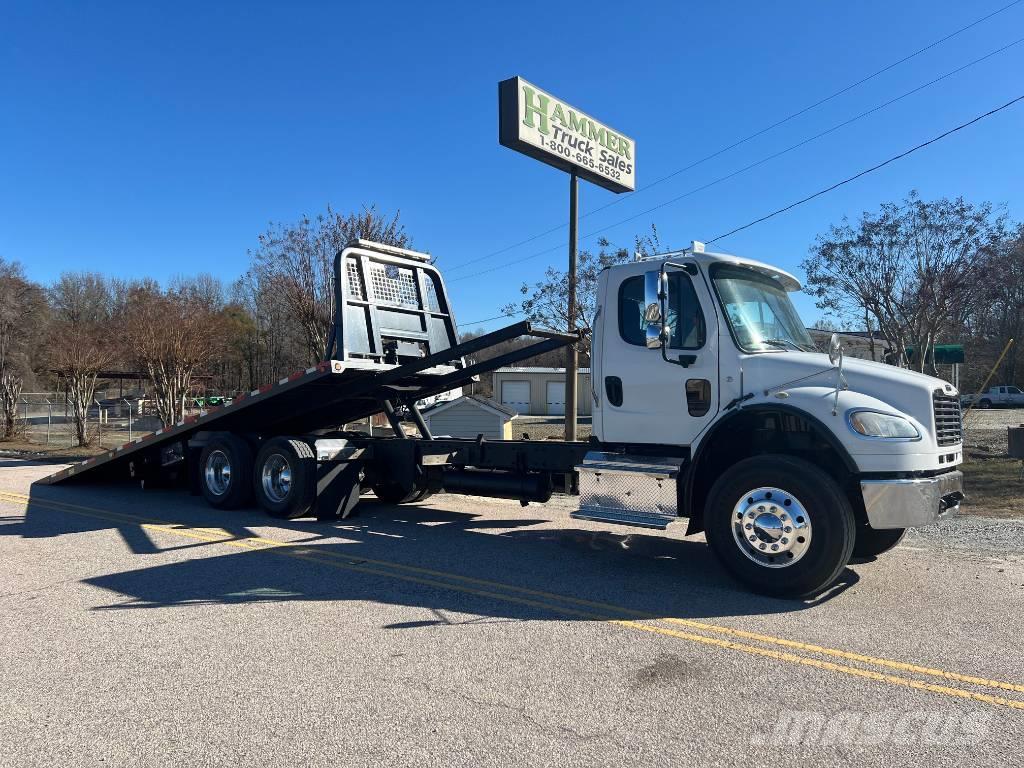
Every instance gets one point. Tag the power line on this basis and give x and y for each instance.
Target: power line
(838, 184)
(753, 165)
(489, 319)
(744, 140)
(818, 103)
(866, 171)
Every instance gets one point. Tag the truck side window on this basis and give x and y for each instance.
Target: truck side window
(685, 319)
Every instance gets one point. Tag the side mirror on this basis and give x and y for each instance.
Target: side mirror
(835, 356)
(655, 301)
(835, 350)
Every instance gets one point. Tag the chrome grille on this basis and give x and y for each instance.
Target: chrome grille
(948, 424)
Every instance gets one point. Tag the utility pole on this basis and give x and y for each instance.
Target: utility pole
(571, 353)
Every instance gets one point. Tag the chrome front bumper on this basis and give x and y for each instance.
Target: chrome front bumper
(912, 502)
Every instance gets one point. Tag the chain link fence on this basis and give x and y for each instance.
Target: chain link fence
(45, 419)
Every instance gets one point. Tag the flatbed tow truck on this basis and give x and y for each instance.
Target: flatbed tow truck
(710, 404)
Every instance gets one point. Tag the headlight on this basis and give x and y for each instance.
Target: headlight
(874, 424)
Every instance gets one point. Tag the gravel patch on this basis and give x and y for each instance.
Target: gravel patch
(983, 535)
(985, 431)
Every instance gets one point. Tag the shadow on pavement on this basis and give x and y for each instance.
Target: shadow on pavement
(388, 554)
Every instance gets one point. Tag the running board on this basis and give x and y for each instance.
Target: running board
(628, 489)
(621, 517)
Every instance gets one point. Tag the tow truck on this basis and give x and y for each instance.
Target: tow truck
(712, 408)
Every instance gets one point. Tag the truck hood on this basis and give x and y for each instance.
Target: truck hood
(805, 377)
(775, 368)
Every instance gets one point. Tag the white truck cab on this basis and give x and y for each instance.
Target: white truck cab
(711, 402)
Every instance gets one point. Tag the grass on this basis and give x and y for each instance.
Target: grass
(41, 452)
(993, 486)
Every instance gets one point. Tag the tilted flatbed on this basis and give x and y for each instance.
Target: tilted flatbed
(394, 343)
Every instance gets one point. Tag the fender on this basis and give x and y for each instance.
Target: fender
(696, 522)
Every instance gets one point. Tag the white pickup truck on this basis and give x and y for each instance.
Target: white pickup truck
(996, 397)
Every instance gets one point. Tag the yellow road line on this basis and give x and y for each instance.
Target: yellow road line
(615, 609)
(289, 549)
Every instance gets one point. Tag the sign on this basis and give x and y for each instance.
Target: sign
(537, 124)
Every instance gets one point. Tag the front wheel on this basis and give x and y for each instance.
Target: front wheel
(872, 542)
(780, 525)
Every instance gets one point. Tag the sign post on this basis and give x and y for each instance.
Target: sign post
(571, 353)
(537, 124)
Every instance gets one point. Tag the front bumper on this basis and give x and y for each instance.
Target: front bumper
(909, 503)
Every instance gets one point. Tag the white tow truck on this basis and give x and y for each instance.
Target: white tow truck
(711, 406)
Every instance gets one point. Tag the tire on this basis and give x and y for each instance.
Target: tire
(801, 545)
(985, 404)
(872, 542)
(394, 494)
(284, 478)
(225, 466)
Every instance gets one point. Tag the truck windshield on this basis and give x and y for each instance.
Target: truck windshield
(760, 314)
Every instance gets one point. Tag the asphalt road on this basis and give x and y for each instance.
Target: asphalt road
(143, 628)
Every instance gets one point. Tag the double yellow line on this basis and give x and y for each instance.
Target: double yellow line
(781, 649)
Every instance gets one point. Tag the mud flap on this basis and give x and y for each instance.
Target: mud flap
(337, 489)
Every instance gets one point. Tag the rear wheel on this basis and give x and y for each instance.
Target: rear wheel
(225, 465)
(395, 494)
(985, 404)
(871, 542)
(780, 525)
(284, 480)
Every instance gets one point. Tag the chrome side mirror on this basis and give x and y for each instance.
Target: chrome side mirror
(655, 300)
(835, 350)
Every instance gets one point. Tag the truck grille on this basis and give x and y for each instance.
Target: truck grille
(948, 425)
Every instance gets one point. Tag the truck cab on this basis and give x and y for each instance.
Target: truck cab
(709, 392)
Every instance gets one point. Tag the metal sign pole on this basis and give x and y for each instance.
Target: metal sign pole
(571, 354)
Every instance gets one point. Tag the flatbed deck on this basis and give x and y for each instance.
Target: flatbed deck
(319, 400)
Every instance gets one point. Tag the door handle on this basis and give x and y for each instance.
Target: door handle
(687, 360)
(613, 388)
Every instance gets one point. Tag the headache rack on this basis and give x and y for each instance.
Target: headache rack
(393, 342)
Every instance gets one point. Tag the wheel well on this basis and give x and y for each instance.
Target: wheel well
(756, 431)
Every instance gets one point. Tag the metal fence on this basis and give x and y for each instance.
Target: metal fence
(45, 419)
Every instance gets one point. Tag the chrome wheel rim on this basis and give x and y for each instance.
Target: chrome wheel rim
(771, 527)
(276, 477)
(217, 472)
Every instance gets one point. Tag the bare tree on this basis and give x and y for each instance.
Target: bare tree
(81, 341)
(547, 301)
(295, 262)
(22, 320)
(912, 267)
(999, 316)
(170, 335)
(78, 352)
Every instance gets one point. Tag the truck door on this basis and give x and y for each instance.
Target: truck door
(1014, 397)
(645, 399)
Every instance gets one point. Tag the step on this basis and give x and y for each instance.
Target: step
(664, 467)
(622, 517)
(628, 489)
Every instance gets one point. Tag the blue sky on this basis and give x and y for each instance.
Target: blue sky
(143, 139)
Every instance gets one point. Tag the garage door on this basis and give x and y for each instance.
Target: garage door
(516, 395)
(556, 398)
